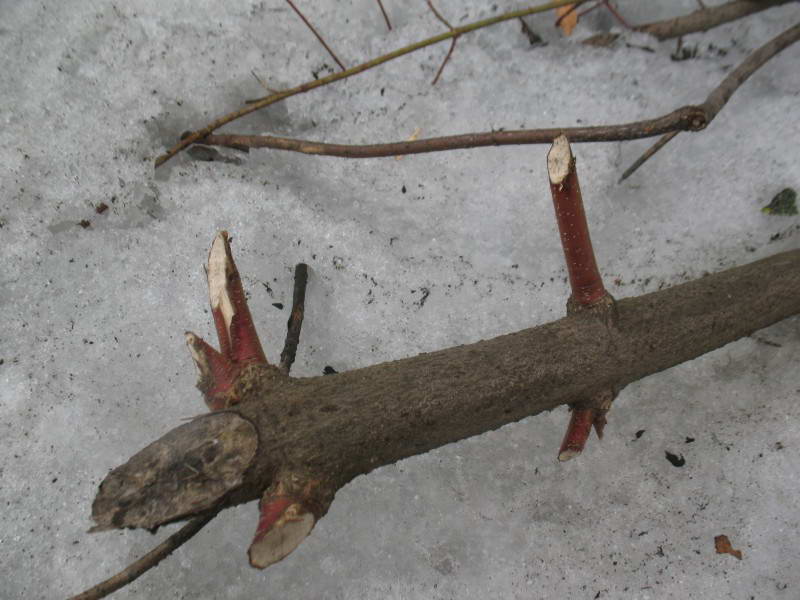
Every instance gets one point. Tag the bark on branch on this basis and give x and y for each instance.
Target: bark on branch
(327, 430)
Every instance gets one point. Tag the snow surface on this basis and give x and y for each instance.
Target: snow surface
(407, 255)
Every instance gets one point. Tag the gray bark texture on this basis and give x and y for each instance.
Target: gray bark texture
(333, 428)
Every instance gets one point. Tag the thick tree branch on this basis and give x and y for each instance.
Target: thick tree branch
(334, 428)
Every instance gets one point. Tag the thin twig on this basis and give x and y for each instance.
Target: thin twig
(616, 14)
(263, 83)
(723, 92)
(684, 25)
(318, 36)
(138, 568)
(444, 62)
(260, 103)
(385, 16)
(438, 15)
(452, 42)
(295, 321)
(662, 141)
(686, 118)
(704, 19)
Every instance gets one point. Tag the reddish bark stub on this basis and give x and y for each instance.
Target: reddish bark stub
(216, 374)
(238, 339)
(588, 295)
(289, 509)
(584, 277)
(580, 425)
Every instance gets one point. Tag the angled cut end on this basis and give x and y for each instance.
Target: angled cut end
(238, 339)
(559, 160)
(580, 425)
(568, 454)
(188, 471)
(281, 528)
(289, 508)
(216, 373)
(220, 265)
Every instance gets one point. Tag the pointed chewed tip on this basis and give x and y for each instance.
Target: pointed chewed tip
(220, 265)
(559, 160)
(282, 527)
(568, 454)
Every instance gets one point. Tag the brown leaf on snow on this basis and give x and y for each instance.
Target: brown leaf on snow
(569, 22)
(723, 546)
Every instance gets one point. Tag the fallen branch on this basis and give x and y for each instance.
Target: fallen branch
(260, 103)
(300, 440)
(686, 118)
(723, 92)
(706, 18)
(718, 16)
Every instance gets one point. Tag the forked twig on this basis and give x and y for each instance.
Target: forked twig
(452, 42)
(687, 118)
(710, 18)
(260, 103)
(723, 92)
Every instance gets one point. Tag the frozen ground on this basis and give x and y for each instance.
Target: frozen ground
(94, 365)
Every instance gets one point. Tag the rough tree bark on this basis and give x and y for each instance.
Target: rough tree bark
(304, 439)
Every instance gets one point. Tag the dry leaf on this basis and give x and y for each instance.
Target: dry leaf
(569, 22)
(723, 546)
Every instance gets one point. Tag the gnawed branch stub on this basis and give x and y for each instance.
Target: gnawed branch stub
(188, 471)
(341, 426)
